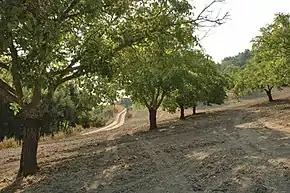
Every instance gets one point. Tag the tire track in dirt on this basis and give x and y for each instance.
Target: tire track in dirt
(255, 150)
(118, 122)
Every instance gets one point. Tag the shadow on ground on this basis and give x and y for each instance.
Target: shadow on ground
(222, 151)
(275, 103)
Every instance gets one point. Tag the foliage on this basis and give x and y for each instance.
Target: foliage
(240, 60)
(232, 65)
(45, 44)
(151, 71)
(148, 74)
(75, 106)
(77, 37)
(199, 82)
(269, 66)
(70, 107)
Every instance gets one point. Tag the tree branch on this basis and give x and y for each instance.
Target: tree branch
(15, 72)
(7, 96)
(69, 68)
(36, 97)
(68, 78)
(5, 86)
(65, 14)
(161, 99)
(4, 66)
(269, 87)
(205, 9)
(146, 104)
(61, 80)
(7, 91)
(155, 99)
(200, 19)
(77, 58)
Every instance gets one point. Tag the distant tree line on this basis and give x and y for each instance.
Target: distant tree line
(239, 60)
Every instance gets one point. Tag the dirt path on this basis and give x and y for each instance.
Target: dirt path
(243, 147)
(118, 122)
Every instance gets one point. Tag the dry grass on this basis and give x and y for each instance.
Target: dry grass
(62, 135)
(9, 143)
(13, 143)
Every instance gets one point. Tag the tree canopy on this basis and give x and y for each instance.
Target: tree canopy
(46, 44)
(269, 67)
(149, 73)
(198, 82)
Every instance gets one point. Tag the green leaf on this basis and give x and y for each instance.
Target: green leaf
(29, 25)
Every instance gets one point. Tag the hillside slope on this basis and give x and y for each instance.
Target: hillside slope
(243, 147)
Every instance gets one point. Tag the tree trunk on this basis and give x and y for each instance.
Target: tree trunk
(194, 110)
(182, 112)
(152, 119)
(32, 116)
(269, 94)
(28, 160)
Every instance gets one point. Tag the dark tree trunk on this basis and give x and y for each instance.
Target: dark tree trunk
(269, 94)
(28, 160)
(182, 112)
(152, 118)
(194, 110)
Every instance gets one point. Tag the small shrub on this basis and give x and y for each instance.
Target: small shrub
(63, 134)
(98, 122)
(78, 129)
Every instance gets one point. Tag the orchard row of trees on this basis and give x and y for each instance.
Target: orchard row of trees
(170, 76)
(268, 66)
(143, 46)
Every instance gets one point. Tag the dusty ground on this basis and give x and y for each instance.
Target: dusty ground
(244, 147)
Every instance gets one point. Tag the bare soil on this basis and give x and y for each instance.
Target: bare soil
(241, 147)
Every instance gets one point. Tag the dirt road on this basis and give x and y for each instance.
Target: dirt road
(118, 122)
(240, 148)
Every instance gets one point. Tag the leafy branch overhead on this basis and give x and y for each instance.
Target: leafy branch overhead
(55, 54)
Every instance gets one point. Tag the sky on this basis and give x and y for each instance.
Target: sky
(245, 20)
